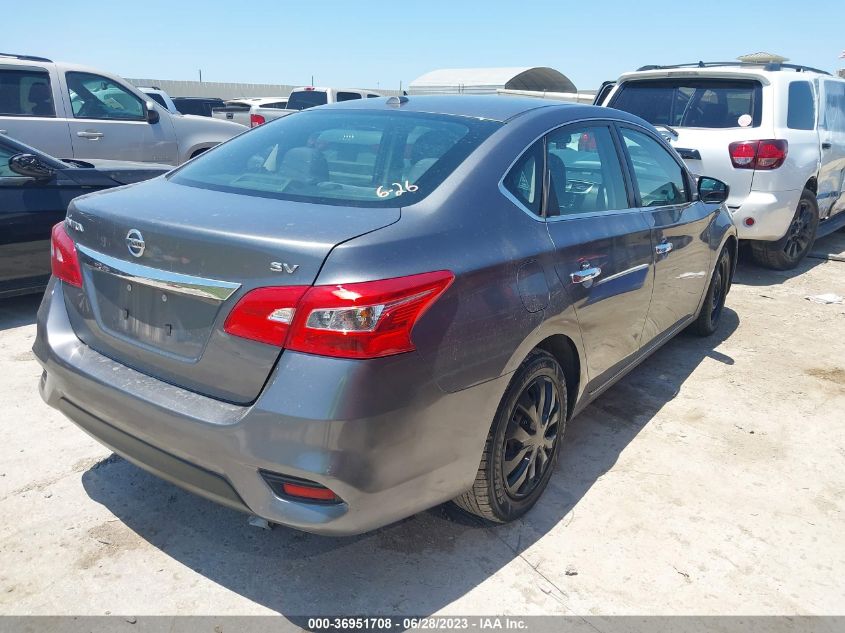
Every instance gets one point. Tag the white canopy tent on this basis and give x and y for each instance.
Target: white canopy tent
(491, 80)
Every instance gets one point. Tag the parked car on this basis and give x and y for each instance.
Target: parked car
(304, 98)
(35, 189)
(160, 97)
(237, 110)
(774, 132)
(69, 110)
(265, 327)
(198, 106)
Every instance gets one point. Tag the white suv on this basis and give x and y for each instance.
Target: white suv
(774, 132)
(71, 111)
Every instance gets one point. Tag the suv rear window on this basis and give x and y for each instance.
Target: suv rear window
(703, 103)
(306, 99)
(354, 158)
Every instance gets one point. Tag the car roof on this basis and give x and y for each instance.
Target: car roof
(491, 107)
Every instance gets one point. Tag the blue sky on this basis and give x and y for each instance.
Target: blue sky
(370, 43)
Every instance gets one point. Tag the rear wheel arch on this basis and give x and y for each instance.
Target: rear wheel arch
(566, 353)
(812, 185)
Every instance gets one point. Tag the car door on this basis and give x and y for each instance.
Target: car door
(679, 229)
(832, 137)
(31, 108)
(603, 249)
(108, 121)
(28, 210)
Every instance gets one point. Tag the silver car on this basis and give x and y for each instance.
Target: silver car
(363, 310)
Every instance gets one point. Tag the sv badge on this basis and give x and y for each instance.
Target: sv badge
(283, 267)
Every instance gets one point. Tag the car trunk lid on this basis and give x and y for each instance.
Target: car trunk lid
(160, 278)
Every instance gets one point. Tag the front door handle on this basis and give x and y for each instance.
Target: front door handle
(4, 131)
(90, 135)
(664, 248)
(826, 145)
(586, 274)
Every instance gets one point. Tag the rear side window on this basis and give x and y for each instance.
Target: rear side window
(347, 96)
(801, 111)
(26, 93)
(659, 179)
(585, 175)
(354, 158)
(278, 105)
(703, 103)
(97, 97)
(834, 106)
(307, 99)
(524, 181)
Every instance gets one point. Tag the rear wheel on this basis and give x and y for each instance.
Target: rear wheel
(787, 252)
(523, 442)
(714, 302)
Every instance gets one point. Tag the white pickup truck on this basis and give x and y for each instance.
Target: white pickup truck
(77, 112)
(307, 97)
(237, 110)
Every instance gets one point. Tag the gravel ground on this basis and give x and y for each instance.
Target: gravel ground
(709, 481)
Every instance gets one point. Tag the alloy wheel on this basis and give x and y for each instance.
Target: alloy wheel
(800, 231)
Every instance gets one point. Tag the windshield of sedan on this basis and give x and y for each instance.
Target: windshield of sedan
(701, 103)
(350, 157)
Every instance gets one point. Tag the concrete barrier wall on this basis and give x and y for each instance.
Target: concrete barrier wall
(226, 90)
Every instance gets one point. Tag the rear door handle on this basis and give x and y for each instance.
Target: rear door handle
(826, 145)
(3, 132)
(585, 274)
(664, 248)
(90, 135)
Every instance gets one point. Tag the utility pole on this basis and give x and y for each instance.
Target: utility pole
(200, 70)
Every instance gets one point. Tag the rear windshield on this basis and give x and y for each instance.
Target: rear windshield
(703, 103)
(306, 99)
(353, 157)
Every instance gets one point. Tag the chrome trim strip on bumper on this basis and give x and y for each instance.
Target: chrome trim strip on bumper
(162, 279)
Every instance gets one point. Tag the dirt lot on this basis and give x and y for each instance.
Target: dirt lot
(710, 480)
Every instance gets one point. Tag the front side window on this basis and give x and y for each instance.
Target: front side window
(347, 96)
(658, 176)
(524, 181)
(96, 97)
(585, 174)
(703, 103)
(26, 93)
(834, 106)
(307, 99)
(801, 109)
(355, 158)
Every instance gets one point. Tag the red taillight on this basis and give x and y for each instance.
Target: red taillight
(256, 119)
(360, 320)
(265, 314)
(64, 261)
(767, 154)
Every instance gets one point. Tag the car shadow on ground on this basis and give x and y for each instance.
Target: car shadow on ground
(18, 311)
(748, 273)
(416, 566)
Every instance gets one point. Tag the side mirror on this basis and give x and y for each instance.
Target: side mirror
(31, 166)
(152, 114)
(712, 191)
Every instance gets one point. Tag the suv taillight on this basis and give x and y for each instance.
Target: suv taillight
(767, 154)
(360, 320)
(256, 119)
(64, 261)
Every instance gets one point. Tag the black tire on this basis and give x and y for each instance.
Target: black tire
(787, 252)
(499, 496)
(714, 301)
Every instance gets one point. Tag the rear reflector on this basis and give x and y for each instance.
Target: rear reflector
(256, 119)
(360, 320)
(765, 155)
(298, 489)
(64, 261)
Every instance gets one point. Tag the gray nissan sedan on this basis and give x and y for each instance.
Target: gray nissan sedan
(360, 311)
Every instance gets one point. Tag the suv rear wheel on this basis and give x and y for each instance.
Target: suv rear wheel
(523, 443)
(788, 251)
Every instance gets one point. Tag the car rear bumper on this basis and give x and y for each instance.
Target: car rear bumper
(772, 213)
(379, 433)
